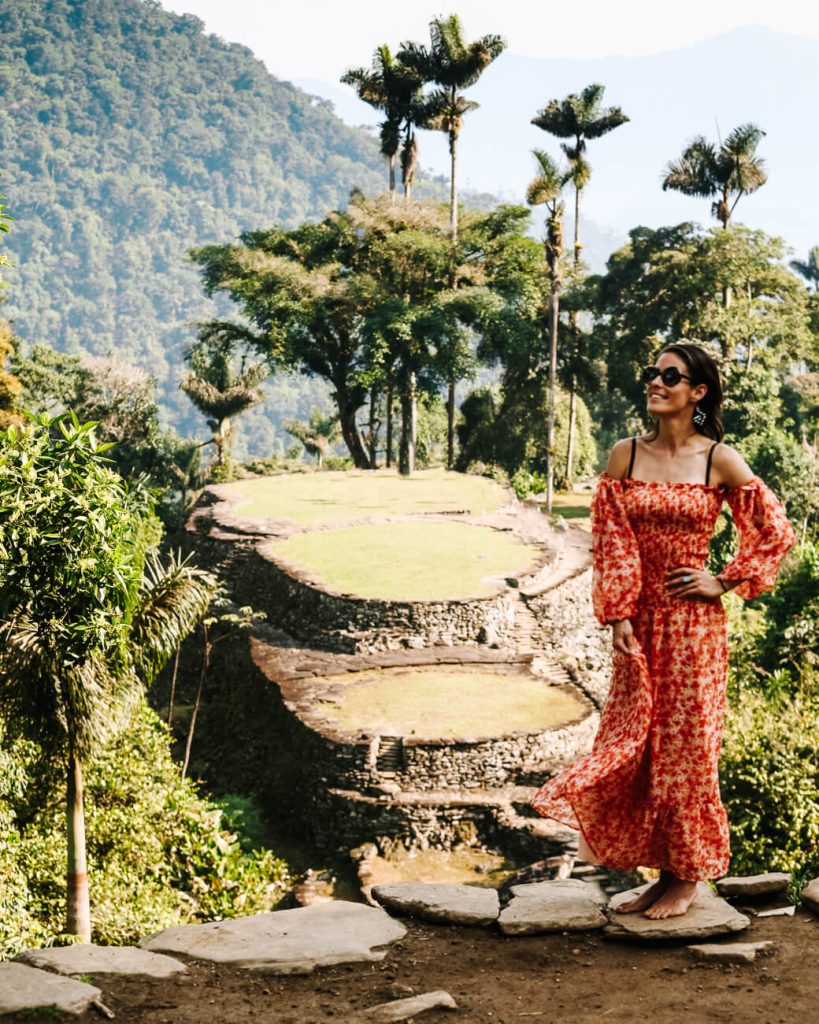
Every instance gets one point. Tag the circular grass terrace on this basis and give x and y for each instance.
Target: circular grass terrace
(325, 499)
(446, 702)
(407, 560)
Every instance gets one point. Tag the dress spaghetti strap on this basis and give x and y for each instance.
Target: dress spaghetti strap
(708, 467)
(631, 462)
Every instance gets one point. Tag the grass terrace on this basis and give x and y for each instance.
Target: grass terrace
(409, 560)
(315, 499)
(441, 702)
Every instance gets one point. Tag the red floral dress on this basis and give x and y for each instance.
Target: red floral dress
(648, 793)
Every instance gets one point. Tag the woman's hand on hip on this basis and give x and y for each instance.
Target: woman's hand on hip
(683, 581)
(623, 638)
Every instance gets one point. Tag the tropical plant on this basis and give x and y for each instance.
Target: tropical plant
(222, 382)
(87, 616)
(4, 260)
(547, 189)
(579, 117)
(809, 268)
(452, 64)
(731, 169)
(317, 435)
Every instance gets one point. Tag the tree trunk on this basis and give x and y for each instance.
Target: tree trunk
(450, 426)
(78, 909)
(389, 458)
(373, 445)
(554, 311)
(197, 701)
(577, 245)
(453, 188)
(570, 444)
(392, 177)
(409, 428)
(349, 429)
(173, 685)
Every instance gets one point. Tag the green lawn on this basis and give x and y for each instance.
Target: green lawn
(412, 560)
(314, 498)
(448, 701)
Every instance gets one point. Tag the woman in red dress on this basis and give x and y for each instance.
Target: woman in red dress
(648, 793)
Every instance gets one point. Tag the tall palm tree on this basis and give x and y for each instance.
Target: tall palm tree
(85, 620)
(392, 87)
(547, 189)
(809, 269)
(452, 64)
(730, 170)
(579, 117)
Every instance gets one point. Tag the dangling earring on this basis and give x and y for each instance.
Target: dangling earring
(699, 416)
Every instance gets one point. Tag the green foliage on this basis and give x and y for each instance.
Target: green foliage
(159, 852)
(770, 778)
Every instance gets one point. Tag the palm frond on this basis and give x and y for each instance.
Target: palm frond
(695, 173)
(171, 602)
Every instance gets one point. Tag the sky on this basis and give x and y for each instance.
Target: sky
(321, 38)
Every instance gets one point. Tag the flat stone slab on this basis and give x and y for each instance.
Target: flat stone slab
(86, 958)
(729, 952)
(286, 941)
(403, 1009)
(568, 904)
(788, 911)
(810, 895)
(707, 916)
(24, 988)
(754, 885)
(439, 901)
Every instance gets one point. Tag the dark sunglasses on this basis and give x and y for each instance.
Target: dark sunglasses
(670, 375)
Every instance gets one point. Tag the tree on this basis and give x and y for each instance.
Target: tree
(730, 170)
(809, 269)
(453, 64)
(317, 436)
(223, 382)
(579, 117)
(393, 87)
(10, 386)
(87, 616)
(547, 189)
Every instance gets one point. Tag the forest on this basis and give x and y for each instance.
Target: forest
(180, 232)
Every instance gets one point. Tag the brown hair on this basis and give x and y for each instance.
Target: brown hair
(703, 370)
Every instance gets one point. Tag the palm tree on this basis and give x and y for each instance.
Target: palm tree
(390, 86)
(453, 64)
(86, 621)
(317, 435)
(732, 170)
(216, 386)
(810, 268)
(579, 117)
(547, 189)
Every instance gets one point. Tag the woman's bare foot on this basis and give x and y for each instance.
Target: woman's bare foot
(674, 901)
(649, 897)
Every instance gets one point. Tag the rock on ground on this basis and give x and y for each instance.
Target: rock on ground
(403, 1009)
(754, 885)
(562, 905)
(729, 952)
(86, 958)
(24, 988)
(810, 895)
(438, 901)
(287, 941)
(708, 915)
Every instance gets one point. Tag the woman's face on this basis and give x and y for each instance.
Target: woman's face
(664, 400)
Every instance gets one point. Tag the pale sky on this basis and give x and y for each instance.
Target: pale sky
(321, 38)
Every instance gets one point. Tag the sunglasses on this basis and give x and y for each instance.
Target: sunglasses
(669, 376)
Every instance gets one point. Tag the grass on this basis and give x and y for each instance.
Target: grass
(311, 499)
(410, 560)
(441, 702)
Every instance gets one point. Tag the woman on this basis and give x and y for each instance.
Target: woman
(648, 794)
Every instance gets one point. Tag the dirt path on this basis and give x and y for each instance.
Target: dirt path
(557, 979)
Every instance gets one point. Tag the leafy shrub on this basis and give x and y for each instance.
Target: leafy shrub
(770, 780)
(524, 482)
(159, 852)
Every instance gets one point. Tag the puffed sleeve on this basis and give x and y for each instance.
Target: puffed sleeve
(765, 537)
(616, 569)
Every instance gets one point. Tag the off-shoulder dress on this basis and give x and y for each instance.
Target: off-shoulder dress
(648, 793)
